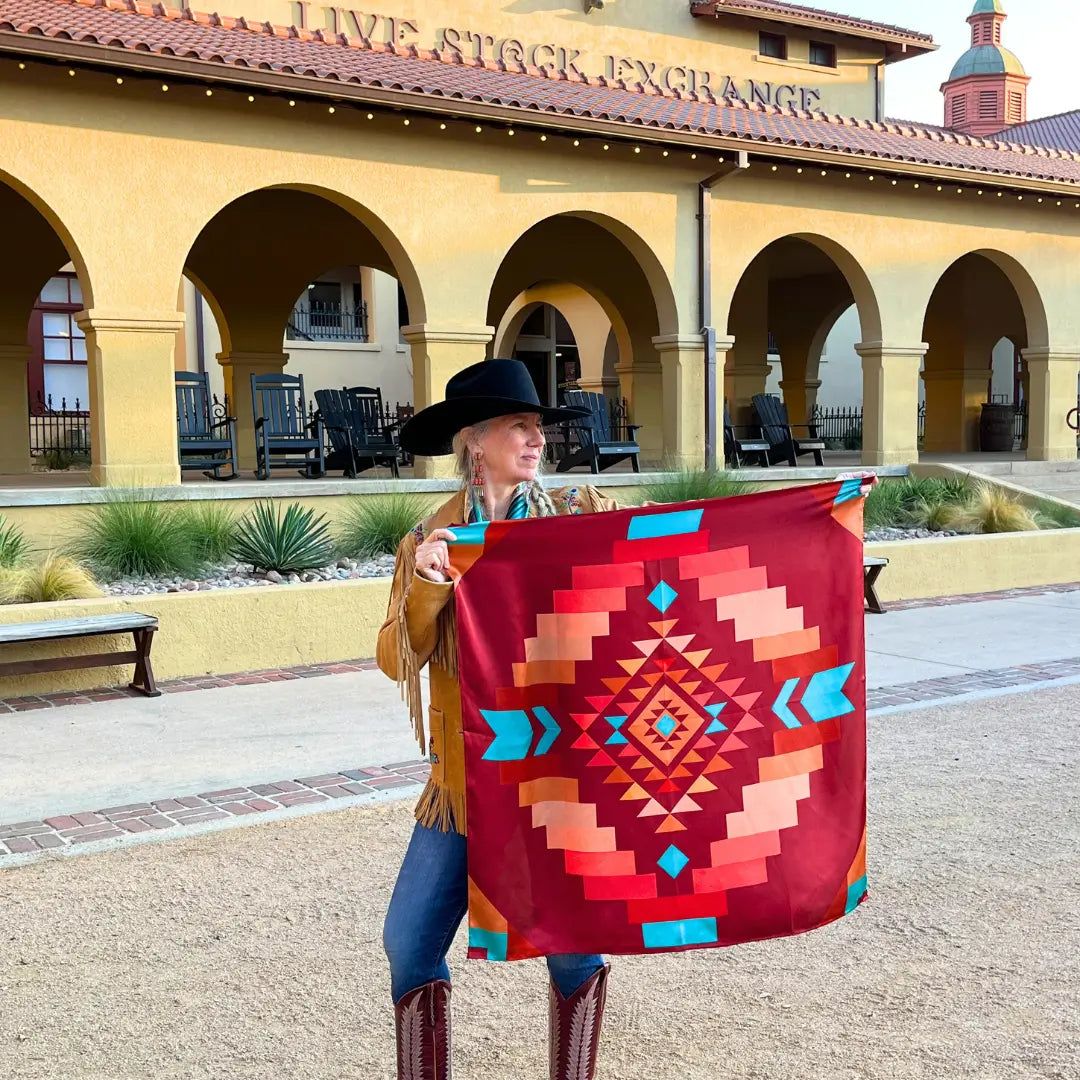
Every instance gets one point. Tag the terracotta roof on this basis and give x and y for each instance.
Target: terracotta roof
(831, 19)
(136, 34)
(1061, 131)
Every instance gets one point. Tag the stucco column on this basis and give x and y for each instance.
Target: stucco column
(890, 402)
(237, 369)
(132, 397)
(954, 400)
(744, 380)
(1052, 380)
(682, 364)
(800, 397)
(436, 355)
(14, 411)
(641, 382)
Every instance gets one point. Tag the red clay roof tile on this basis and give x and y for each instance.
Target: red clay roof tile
(328, 56)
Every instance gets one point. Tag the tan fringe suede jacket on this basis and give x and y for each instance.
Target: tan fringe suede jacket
(420, 629)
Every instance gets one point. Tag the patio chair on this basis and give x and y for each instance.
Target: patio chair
(772, 416)
(355, 445)
(284, 437)
(596, 447)
(204, 440)
(736, 446)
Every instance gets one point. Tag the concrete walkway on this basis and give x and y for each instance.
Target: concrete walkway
(73, 758)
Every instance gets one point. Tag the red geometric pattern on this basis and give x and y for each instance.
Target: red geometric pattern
(641, 763)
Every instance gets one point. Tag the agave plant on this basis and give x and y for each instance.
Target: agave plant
(56, 578)
(288, 542)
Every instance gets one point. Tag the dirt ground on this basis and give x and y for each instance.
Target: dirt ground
(255, 953)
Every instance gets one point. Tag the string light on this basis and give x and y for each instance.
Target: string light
(959, 191)
(119, 82)
(894, 183)
(479, 129)
(1001, 194)
(693, 157)
(606, 147)
(637, 149)
(22, 67)
(1040, 200)
(292, 104)
(799, 170)
(331, 109)
(939, 187)
(371, 116)
(510, 132)
(979, 192)
(251, 99)
(543, 138)
(916, 187)
(1019, 198)
(847, 176)
(577, 142)
(776, 168)
(666, 153)
(442, 127)
(71, 72)
(164, 88)
(209, 93)
(870, 178)
(824, 172)
(406, 122)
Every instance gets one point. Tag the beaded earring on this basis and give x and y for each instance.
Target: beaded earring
(478, 481)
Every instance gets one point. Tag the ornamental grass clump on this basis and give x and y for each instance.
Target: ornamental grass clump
(56, 578)
(1056, 515)
(210, 528)
(14, 547)
(927, 502)
(689, 485)
(375, 526)
(130, 536)
(991, 510)
(287, 542)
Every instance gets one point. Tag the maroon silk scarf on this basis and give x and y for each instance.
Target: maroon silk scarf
(665, 726)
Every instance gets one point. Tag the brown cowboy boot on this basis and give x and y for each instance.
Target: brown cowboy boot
(575, 1027)
(422, 1018)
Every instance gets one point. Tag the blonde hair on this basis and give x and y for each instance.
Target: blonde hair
(540, 504)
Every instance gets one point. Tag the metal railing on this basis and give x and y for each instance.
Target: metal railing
(62, 434)
(318, 321)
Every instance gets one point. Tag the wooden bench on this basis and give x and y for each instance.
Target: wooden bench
(872, 568)
(141, 627)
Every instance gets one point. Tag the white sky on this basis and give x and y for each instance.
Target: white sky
(1044, 34)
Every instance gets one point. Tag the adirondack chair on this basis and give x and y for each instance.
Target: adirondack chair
(354, 445)
(284, 437)
(737, 446)
(596, 448)
(205, 442)
(772, 416)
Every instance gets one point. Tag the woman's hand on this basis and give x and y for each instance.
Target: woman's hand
(433, 556)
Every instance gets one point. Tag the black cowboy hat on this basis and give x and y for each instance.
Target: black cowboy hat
(481, 392)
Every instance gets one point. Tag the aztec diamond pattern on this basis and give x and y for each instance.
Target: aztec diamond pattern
(642, 763)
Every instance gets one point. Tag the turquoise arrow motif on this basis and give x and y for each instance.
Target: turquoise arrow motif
(780, 706)
(824, 699)
(513, 735)
(551, 730)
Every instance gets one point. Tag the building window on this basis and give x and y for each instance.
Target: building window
(329, 311)
(1016, 107)
(57, 367)
(774, 45)
(958, 110)
(988, 105)
(822, 55)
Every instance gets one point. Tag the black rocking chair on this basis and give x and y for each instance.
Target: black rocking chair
(205, 441)
(772, 416)
(284, 437)
(738, 446)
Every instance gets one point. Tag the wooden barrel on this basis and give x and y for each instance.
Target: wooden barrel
(996, 428)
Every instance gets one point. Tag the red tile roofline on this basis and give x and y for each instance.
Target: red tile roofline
(776, 10)
(815, 136)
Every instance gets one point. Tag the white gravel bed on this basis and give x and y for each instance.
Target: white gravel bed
(242, 575)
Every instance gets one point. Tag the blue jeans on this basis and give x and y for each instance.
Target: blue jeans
(430, 899)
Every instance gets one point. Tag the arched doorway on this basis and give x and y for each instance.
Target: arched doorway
(325, 295)
(43, 286)
(983, 313)
(613, 298)
(784, 311)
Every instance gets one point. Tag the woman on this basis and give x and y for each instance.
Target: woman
(493, 421)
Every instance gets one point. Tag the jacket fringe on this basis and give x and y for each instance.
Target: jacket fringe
(441, 808)
(408, 679)
(446, 653)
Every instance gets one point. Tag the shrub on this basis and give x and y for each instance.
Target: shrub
(935, 516)
(13, 545)
(293, 541)
(129, 536)
(687, 485)
(210, 529)
(371, 527)
(898, 504)
(991, 510)
(57, 578)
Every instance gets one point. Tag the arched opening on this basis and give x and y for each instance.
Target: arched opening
(799, 310)
(300, 282)
(576, 296)
(45, 376)
(983, 312)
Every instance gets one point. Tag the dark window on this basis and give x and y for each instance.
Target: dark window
(535, 325)
(774, 45)
(823, 55)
